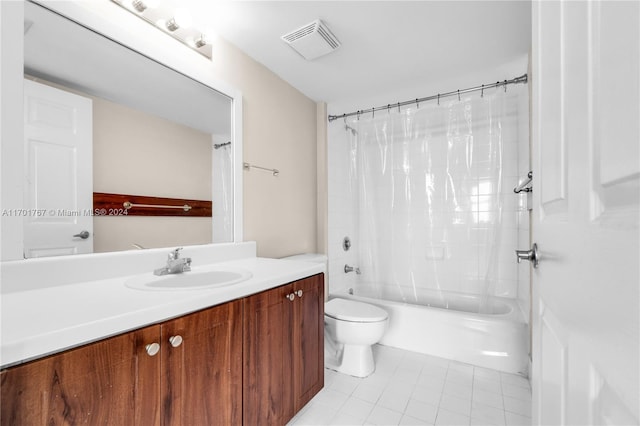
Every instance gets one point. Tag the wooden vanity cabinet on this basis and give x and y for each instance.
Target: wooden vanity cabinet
(112, 382)
(308, 340)
(117, 382)
(254, 361)
(201, 374)
(283, 364)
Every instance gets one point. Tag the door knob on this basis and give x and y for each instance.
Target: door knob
(175, 340)
(84, 235)
(152, 349)
(530, 255)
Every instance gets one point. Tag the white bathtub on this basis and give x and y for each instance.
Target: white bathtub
(448, 325)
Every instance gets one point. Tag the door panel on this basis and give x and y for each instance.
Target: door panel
(553, 184)
(109, 382)
(554, 375)
(586, 315)
(59, 177)
(616, 72)
(308, 342)
(202, 373)
(267, 364)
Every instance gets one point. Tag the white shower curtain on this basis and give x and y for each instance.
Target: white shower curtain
(430, 191)
(223, 194)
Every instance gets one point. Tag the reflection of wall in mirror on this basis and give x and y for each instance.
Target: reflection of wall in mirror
(141, 154)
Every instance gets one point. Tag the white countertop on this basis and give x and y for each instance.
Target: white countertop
(41, 321)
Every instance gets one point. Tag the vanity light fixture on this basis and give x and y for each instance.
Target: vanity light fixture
(141, 6)
(202, 41)
(175, 22)
(172, 25)
(181, 19)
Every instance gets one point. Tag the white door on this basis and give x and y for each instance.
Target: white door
(586, 159)
(59, 178)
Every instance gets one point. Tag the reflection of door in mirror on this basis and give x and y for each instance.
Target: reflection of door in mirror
(58, 187)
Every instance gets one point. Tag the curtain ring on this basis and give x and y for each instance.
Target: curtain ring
(438, 98)
(505, 86)
(358, 115)
(458, 95)
(398, 106)
(388, 108)
(373, 112)
(482, 92)
(417, 104)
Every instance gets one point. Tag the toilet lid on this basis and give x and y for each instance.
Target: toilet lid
(349, 310)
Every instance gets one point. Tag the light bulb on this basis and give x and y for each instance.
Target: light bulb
(142, 5)
(182, 18)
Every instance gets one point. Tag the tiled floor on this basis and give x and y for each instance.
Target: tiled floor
(408, 388)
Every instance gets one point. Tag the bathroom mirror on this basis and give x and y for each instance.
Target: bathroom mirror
(155, 132)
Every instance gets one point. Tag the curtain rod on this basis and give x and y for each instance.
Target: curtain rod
(522, 79)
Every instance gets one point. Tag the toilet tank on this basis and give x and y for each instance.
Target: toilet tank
(309, 257)
(315, 258)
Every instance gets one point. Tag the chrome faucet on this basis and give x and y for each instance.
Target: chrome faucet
(348, 269)
(175, 264)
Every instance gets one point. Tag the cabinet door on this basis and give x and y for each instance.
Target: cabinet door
(308, 339)
(202, 367)
(267, 381)
(112, 382)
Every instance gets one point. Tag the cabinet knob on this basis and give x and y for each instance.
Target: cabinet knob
(290, 296)
(175, 341)
(299, 293)
(152, 348)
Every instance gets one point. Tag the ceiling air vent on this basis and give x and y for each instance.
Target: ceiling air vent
(312, 40)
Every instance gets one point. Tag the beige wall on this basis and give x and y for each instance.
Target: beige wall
(141, 154)
(279, 130)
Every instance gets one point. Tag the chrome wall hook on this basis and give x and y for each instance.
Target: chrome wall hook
(522, 186)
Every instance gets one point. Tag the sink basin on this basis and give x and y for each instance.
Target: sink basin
(192, 280)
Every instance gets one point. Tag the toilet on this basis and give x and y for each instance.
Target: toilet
(351, 329)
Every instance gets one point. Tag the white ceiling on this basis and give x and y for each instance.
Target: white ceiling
(59, 51)
(385, 44)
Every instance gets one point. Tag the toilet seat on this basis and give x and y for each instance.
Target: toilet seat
(352, 311)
